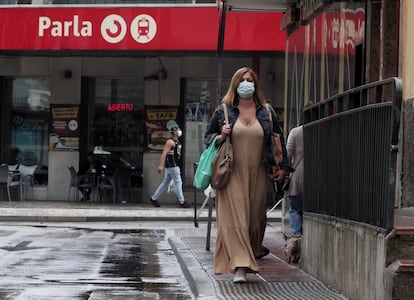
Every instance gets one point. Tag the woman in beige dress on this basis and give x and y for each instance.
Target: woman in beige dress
(241, 204)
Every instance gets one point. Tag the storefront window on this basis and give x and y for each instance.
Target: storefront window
(25, 124)
(116, 123)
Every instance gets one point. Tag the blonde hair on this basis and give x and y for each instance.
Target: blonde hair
(231, 94)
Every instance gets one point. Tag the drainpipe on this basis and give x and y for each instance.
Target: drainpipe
(407, 74)
(222, 6)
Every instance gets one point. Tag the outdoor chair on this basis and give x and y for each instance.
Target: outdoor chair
(77, 182)
(13, 167)
(10, 179)
(27, 173)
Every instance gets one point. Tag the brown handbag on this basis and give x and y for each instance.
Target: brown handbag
(223, 162)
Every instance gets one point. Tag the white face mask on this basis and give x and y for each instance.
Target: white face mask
(245, 89)
(179, 133)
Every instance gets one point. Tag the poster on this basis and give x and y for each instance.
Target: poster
(157, 119)
(64, 132)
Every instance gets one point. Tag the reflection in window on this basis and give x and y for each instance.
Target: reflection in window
(200, 102)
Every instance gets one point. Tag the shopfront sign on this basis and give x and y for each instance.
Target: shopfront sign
(64, 130)
(66, 28)
(158, 120)
(120, 107)
(136, 28)
(333, 33)
(342, 31)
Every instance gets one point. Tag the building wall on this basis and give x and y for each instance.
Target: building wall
(345, 256)
(351, 257)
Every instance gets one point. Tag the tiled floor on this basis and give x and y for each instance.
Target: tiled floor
(273, 267)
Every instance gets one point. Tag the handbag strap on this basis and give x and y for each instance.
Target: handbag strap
(297, 164)
(226, 119)
(226, 113)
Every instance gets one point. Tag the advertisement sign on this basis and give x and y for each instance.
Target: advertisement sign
(333, 33)
(157, 121)
(64, 133)
(136, 28)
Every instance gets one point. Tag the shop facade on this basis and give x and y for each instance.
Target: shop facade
(108, 80)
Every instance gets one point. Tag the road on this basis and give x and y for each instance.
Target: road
(108, 260)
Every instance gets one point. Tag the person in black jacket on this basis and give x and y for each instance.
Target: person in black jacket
(241, 204)
(169, 163)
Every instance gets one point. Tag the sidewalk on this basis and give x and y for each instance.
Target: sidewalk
(276, 280)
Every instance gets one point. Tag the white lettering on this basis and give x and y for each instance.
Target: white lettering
(65, 28)
(56, 29)
(67, 25)
(44, 23)
(76, 26)
(86, 29)
(335, 35)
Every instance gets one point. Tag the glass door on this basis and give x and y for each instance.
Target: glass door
(112, 123)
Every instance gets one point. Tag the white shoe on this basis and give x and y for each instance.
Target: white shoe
(240, 276)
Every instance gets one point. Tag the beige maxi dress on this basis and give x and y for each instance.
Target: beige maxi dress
(241, 205)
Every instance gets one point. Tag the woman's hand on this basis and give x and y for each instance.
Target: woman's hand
(160, 169)
(278, 174)
(226, 130)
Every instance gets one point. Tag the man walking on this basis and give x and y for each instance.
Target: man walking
(169, 163)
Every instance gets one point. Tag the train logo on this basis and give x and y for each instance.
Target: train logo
(114, 28)
(143, 28)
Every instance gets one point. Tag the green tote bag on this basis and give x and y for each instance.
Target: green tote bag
(205, 166)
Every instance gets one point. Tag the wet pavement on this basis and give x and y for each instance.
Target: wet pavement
(186, 243)
(51, 261)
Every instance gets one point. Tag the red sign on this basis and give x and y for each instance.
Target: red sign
(332, 33)
(120, 107)
(254, 31)
(136, 28)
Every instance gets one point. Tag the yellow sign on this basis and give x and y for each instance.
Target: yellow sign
(65, 112)
(161, 114)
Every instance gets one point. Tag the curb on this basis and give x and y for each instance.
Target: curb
(200, 282)
(102, 214)
(25, 218)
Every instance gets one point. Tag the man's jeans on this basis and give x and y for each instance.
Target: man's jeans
(173, 174)
(296, 214)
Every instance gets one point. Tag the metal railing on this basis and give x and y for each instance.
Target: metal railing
(351, 145)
